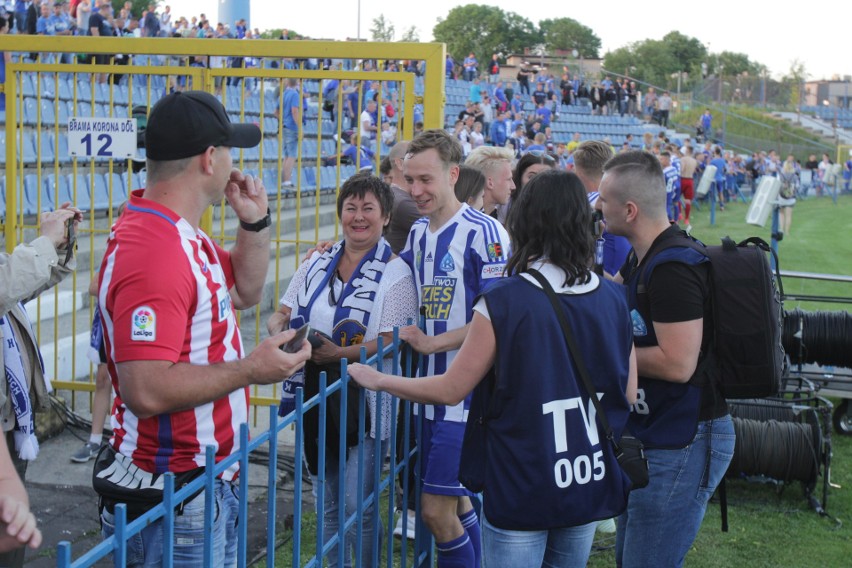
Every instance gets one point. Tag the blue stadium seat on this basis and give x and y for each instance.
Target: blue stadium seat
(46, 154)
(119, 191)
(270, 125)
(29, 111)
(329, 147)
(98, 193)
(65, 89)
(254, 153)
(130, 182)
(47, 84)
(310, 129)
(309, 148)
(347, 172)
(64, 157)
(253, 104)
(32, 194)
(27, 87)
(84, 91)
(271, 180)
(309, 178)
(143, 178)
(270, 149)
(28, 152)
(59, 187)
(84, 108)
(328, 177)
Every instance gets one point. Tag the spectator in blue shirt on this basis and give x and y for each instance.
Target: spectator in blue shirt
(43, 26)
(498, 130)
(470, 67)
(499, 95)
(543, 114)
(719, 180)
(475, 91)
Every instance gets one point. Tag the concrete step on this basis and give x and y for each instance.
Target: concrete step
(55, 305)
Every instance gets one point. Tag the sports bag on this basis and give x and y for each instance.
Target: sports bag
(744, 354)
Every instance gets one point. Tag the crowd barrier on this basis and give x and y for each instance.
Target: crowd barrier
(382, 496)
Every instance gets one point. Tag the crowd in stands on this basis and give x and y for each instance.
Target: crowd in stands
(58, 17)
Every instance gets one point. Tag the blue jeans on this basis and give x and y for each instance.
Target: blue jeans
(351, 505)
(145, 549)
(564, 548)
(290, 143)
(662, 520)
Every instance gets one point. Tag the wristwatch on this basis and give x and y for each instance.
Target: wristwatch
(257, 226)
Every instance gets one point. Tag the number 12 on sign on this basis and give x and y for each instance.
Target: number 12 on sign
(104, 141)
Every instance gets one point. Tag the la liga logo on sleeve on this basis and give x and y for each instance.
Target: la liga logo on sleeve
(143, 324)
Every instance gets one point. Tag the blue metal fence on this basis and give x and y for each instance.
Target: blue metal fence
(384, 481)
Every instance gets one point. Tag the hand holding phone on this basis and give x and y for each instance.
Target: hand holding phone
(70, 239)
(295, 343)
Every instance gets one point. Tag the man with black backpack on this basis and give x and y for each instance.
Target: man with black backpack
(680, 415)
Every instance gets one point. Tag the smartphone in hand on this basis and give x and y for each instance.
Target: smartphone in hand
(295, 343)
(70, 239)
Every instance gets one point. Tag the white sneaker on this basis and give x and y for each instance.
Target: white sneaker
(607, 526)
(412, 522)
(689, 229)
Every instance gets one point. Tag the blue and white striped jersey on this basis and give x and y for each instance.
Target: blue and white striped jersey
(451, 267)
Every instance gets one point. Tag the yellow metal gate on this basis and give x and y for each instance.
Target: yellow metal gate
(40, 173)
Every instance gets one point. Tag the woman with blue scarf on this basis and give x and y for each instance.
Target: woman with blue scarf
(352, 293)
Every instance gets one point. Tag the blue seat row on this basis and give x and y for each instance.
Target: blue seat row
(87, 191)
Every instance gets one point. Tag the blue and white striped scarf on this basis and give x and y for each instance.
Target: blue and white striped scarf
(353, 309)
(26, 442)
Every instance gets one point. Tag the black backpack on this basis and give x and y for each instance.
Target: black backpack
(744, 354)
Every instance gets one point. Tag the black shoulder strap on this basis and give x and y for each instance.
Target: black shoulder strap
(660, 245)
(575, 352)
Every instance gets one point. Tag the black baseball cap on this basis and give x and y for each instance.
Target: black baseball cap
(185, 124)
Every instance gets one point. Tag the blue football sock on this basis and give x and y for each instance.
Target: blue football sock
(458, 553)
(470, 522)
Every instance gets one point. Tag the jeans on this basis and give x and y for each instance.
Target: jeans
(662, 520)
(145, 549)
(564, 548)
(369, 543)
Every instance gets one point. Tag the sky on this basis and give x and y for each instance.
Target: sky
(772, 36)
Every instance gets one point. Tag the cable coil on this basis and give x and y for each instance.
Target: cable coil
(781, 450)
(818, 337)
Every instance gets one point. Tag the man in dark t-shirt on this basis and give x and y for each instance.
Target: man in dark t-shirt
(680, 415)
(100, 25)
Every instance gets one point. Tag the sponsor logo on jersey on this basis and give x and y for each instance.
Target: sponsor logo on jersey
(437, 299)
(447, 264)
(493, 270)
(429, 257)
(143, 324)
(223, 298)
(495, 251)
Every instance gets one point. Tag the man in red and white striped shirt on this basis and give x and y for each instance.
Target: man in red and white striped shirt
(174, 352)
